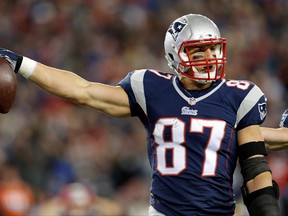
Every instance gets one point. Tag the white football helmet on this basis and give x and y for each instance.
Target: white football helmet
(194, 30)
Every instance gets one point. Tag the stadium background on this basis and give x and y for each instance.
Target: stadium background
(47, 143)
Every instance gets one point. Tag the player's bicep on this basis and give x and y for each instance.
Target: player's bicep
(249, 134)
(111, 100)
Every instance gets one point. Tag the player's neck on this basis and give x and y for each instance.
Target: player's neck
(193, 85)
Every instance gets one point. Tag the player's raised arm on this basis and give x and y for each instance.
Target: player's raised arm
(111, 100)
(277, 138)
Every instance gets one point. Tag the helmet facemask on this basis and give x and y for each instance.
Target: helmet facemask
(212, 68)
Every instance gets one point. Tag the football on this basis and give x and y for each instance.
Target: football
(8, 86)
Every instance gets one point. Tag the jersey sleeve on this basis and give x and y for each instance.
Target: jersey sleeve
(253, 108)
(134, 78)
(284, 119)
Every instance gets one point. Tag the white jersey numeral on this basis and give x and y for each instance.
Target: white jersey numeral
(217, 130)
(175, 145)
(177, 148)
(240, 84)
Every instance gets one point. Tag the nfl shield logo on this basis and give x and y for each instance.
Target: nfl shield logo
(192, 101)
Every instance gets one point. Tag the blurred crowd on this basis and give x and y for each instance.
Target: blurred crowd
(64, 159)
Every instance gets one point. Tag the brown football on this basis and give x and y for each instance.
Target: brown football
(8, 86)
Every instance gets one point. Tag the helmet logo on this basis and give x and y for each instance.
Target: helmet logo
(175, 28)
(283, 119)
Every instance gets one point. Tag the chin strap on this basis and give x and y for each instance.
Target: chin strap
(203, 75)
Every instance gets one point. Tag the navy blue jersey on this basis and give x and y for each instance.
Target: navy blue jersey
(284, 120)
(191, 138)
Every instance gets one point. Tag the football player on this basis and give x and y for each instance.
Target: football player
(197, 122)
(277, 138)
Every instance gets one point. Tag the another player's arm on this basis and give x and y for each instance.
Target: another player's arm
(275, 138)
(260, 194)
(111, 100)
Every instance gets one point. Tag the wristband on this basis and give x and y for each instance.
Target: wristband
(27, 67)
